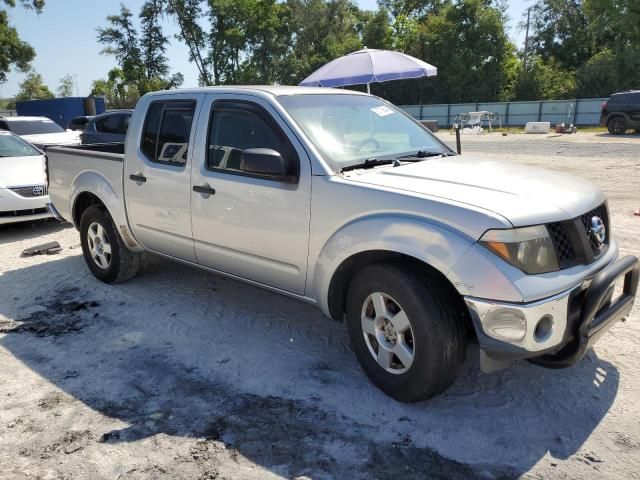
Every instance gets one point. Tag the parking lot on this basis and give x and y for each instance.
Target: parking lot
(182, 374)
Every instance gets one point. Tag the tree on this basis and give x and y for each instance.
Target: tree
(153, 43)
(413, 8)
(468, 43)
(321, 31)
(377, 31)
(115, 90)
(14, 51)
(187, 13)
(598, 76)
(561, 31)
(33, 88)
(121, 40)
(65, 89)
(141, 57)
(544, 81)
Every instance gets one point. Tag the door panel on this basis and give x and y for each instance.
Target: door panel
(157, 177)
(252, 227)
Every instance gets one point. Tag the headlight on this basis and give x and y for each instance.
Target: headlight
(530, 248)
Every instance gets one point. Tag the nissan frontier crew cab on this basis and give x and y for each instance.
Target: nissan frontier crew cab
(342, 200)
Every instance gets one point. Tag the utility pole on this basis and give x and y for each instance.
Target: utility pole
(526, 39)
(75, 77)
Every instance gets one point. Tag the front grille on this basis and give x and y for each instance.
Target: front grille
(564, 248)
(30, 191)
(601, 212)
(573, 240)
(22, 213)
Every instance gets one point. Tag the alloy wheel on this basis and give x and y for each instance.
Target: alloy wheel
(99, 245)
(387, 332)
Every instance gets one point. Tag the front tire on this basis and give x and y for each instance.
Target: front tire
(405, 331)
(617, 125)
(107, 257)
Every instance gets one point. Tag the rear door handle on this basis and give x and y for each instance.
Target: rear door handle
(138, 178)
(205, 189)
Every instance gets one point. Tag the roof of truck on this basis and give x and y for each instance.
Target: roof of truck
(275, 90)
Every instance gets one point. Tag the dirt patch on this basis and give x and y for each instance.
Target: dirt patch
(54, 318)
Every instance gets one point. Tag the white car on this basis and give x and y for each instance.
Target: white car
(40, 131)
(23, 181)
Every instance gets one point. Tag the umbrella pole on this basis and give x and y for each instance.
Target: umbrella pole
(368, 88)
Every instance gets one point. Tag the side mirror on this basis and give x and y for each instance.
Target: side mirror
(263, 161)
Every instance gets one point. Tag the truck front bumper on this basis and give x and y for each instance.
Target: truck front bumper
(556, 332)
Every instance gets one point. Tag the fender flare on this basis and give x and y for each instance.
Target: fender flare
(99, 186)
(431, 242)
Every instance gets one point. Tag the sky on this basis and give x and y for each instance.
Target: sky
(64, 37)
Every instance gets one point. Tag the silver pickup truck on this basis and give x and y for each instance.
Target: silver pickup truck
(342, 200)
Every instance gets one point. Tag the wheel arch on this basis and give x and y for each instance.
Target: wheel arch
(89, 189)
(412, 242)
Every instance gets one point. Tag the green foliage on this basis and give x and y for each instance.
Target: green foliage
(378, 31)
(561, 32)
(115, 90)
(153, 43)
(121, 40)
(595, 41)
(143, 66)
(468, 43)
(544, 81)
(577, 47)
(65, 89)
(7, 103)
(14, 51)
(33, 88)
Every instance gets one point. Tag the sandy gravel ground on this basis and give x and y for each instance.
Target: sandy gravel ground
(181, 374)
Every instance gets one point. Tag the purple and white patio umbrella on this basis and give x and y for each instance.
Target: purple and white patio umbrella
(369, 66)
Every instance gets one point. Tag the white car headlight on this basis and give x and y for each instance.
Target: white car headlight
(530, 248)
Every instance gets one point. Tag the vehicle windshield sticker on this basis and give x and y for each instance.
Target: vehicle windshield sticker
(382, 111)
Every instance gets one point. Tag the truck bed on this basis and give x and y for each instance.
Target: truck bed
(66, 164)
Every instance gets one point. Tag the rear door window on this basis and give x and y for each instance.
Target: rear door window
(165, 138)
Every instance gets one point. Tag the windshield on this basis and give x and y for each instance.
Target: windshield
(348, 129)
(34, 127)
(12, 146)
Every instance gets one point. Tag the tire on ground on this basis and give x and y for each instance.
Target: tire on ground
(439, 345)
(617, 125)
(123, 263)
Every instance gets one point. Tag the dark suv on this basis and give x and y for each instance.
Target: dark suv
(621, 112)
(110, 127)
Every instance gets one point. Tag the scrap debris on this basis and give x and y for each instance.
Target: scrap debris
(49, 248)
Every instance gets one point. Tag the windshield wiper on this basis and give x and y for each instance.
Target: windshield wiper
(424, 154)
(368, 163)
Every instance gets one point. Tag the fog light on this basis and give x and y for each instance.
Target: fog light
(505, 324)
(544, 328)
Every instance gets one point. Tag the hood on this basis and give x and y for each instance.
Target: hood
(21, 171)
(523, 195)
(62, 138)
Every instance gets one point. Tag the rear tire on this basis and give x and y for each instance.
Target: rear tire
(617, 125)
(413, 319)
(107, 257)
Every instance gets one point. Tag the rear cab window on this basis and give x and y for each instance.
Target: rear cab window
(167, 128)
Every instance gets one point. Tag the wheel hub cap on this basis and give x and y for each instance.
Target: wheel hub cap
(99, 245)
(387, 333)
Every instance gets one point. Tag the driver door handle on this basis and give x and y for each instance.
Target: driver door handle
(138, 178)
(205, 189)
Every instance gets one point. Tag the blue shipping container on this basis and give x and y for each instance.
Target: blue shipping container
(61, 110)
